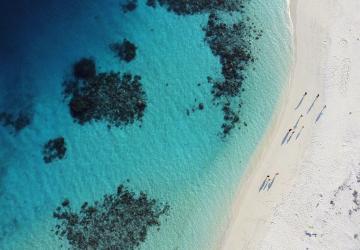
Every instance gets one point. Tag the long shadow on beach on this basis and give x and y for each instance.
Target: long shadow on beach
(300, 102)
(312, 105)
(271, 183)
(320, 114)
(264, 183)
(288, 140)
(299, 133)
(285, 137)
(297, 122)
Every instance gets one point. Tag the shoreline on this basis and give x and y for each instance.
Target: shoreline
(252, 210)
(314, 201)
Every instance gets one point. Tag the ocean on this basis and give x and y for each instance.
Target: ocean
(177, 153)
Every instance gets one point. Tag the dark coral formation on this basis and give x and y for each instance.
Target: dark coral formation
(129, 6)
(200, 106)
(17, 123)
(151, 3)
(126, 50)
(190, 7)
(118, 221)
(231, 42)
(111, 97)
(84, 69)
(54, 149)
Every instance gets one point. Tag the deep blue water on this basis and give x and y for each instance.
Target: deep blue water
(173, 157)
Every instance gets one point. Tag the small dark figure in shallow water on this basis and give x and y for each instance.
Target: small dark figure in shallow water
(54, 149)
(126, 50)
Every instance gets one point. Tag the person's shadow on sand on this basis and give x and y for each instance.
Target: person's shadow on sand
(272, 182)
(264, 183)
(301, 100)
(299, 133)
(312, 104)
(320, 114)
(285, 137)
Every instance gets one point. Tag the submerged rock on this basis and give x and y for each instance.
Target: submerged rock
(54, 149)
(126, 50)
(118, 221)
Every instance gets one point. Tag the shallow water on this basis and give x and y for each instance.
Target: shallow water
(173, 157)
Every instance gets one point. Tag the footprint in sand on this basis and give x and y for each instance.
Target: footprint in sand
(343, 42)
(344, 75)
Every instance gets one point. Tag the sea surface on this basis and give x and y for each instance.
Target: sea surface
(174, 157)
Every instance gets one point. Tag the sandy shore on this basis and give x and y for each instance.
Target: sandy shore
(313, 202)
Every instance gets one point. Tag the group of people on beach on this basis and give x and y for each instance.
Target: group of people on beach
(291, 131)
(268, 182)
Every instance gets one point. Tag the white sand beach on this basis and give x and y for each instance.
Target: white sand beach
(313, 202)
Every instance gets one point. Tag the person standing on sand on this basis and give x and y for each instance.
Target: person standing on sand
(264, 183)
(272, 182)
(286, 136)
(290, 136)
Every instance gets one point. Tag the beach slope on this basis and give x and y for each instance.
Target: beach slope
(313, 201)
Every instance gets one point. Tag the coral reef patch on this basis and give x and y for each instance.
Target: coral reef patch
(54, 149)
(16, 122)
(119, 221)
(129, 6)
(125, 51)
(190, 7)
(115, 98)
(231, 42)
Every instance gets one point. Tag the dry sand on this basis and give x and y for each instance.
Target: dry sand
(313, 202)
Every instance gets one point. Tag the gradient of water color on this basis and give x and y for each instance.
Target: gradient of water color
(173, 157)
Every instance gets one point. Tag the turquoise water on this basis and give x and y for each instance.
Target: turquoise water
(173, 157)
